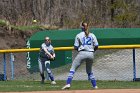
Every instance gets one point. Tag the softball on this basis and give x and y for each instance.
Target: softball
(34, 21)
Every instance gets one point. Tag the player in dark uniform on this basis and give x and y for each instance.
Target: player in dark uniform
(46, 55)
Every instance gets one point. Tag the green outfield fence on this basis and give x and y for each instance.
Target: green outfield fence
(65, 38)
(112, 62)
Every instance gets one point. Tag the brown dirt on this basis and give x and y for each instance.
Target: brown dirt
(13, 38)
(86, 91)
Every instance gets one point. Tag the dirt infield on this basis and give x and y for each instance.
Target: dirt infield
(86, 91)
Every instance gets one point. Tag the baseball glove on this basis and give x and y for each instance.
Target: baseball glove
(52, 59)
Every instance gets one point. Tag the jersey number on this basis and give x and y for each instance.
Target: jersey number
(87, 40)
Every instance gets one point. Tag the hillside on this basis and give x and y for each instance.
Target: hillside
(13, 39)
(69, 13)
(64, 14)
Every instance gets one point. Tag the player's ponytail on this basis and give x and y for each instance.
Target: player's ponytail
(87, 33)
(85, 28)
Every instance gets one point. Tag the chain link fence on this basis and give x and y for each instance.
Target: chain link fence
(109, 64)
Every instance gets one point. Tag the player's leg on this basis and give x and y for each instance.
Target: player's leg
(91, 76)
(47, 64)
(41, 69)
(75, 64)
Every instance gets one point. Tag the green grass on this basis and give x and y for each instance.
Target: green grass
(2, 22)
(13, 86)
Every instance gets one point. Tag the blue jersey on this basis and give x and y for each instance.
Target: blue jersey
(85, 43)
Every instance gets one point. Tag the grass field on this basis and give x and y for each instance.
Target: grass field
(13, 86)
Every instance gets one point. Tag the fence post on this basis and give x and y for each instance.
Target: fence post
(4, 65)
(12, 65)
(134, 66)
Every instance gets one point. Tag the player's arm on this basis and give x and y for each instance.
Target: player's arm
(76, 48)
(76, 43)
(46, 51)
(95, 48)
(95, 42)
(53, 53)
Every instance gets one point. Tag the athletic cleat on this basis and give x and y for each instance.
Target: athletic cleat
(95, 87)
(66, 87)
(53, 82)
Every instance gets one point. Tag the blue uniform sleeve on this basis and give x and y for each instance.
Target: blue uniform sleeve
(95, 48)
(76, 48)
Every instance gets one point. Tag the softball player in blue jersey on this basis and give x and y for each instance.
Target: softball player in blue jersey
(86, 44)
(46, 54)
